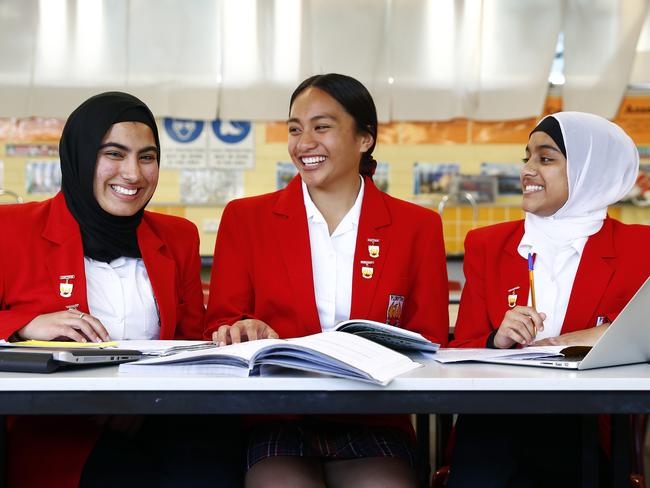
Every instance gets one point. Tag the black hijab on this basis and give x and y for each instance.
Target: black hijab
(549, 125)
(105, 236)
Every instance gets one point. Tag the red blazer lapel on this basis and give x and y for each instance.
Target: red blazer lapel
(513, 273)
(162, 274)
(291, 229)
(64, 251)
(592, 278)
(374, 230)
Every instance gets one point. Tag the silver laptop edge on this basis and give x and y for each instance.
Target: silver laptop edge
(626, 340)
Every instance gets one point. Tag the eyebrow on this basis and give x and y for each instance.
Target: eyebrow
(126, 148)
(314, 118)
(544, 146)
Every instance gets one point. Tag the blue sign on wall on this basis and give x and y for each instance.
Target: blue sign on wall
(231, 131)
(183, 130)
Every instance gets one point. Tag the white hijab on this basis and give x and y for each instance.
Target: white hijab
(602, 166)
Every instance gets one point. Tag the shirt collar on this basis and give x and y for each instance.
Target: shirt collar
(526, 246)
(350, 220)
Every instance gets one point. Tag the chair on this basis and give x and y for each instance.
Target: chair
(637, 432)
(15, 196)
(638, 424)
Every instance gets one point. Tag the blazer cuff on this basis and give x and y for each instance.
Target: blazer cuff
(490, 340)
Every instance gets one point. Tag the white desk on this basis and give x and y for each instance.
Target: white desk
(435, 388)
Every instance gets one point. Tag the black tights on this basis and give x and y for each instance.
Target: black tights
(169, 451)
(517, 451)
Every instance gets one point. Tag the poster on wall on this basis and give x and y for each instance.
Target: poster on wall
(210, 186)
(640, 193)
(42, 177)
(507, 175)
(433, 178)
(38, 129)
(183, 144)
(231, 144)
(6, 128)
(284, 173)
(31, 150)
(381, 177)
(644, 152)
(469, 189)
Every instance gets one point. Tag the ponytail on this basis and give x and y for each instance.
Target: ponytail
(368, 165)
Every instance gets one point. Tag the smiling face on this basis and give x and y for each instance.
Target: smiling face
(544, 176)
(126, 173)
(324, 142)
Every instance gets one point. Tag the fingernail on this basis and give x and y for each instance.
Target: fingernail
(221, 343)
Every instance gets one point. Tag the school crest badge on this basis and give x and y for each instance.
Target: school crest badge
(395, 307)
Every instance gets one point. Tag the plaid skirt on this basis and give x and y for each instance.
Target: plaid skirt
(329, 441)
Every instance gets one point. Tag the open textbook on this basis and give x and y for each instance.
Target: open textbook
(387, 335)
(452, 355)
(331, 353)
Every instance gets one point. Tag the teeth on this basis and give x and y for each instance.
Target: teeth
(124, 191)
(310, 160)
(532, 188)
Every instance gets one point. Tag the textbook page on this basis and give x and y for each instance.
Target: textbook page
(332, 353)
(387, 335)
(234, 354)
(454, 355)
(340, 354)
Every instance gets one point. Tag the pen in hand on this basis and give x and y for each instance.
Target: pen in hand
(531, 279)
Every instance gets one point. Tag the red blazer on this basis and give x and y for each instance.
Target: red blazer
(262, 268)
(262, 265)
(41, 242)
(609, 273)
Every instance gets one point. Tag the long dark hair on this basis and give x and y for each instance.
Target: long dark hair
(356, 100)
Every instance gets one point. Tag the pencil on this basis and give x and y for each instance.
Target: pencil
(531, 279)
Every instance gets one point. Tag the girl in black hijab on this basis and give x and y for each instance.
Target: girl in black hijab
(91, 265)
(105, 236)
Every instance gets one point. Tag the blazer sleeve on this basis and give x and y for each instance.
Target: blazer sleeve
(231, 287)
(10, 320)
(190, 312)
(430, 295)
(473, 327)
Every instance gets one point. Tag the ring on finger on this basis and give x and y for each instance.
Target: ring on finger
(81, 315)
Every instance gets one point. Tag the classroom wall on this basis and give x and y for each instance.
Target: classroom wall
(400, 145)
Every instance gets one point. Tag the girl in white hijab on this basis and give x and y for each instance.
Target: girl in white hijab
(586, 268)
(586, 265)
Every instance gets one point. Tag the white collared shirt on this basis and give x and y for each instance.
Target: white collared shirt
(554, 276)
(332, 260)
(121, 297)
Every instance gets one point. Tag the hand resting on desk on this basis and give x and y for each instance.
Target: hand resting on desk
(243, 330)
(518, 327)
(587, 337)
(67, 324)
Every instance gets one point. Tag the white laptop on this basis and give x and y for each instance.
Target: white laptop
(626, 341)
